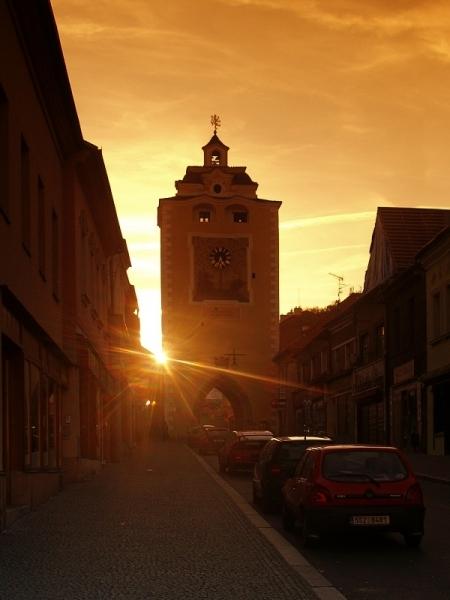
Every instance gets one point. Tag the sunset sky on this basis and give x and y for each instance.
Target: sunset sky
(335, 107)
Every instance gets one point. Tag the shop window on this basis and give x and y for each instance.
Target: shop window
(34, 417)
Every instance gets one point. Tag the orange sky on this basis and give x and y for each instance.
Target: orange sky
(335, 107)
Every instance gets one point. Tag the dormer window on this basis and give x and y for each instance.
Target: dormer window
(204, 216)
(240, 217)
(215, 158)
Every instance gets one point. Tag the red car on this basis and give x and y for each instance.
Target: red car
(354, 488)
(241, 450)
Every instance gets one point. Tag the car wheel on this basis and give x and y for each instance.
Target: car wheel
(413, 539)
(287, 518)
(266, 502)
(309, 538)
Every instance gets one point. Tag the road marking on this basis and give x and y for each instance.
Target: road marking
(323, 589)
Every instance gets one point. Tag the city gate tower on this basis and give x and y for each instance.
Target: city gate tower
(219, 296)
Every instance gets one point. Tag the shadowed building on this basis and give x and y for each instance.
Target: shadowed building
(219, 271)
(70, 357)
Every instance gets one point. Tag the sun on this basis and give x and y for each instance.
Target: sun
(160, 356)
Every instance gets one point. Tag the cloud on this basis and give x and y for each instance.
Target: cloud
(291, 253)
(327, 220)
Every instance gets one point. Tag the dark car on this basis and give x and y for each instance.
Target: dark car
(354, 488)
(241, 450)
(276, 463)
(211, 440)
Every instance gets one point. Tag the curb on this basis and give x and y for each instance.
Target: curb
(323, 589)
(433, 478)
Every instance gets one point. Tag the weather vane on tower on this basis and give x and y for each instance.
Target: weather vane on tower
(215, 122)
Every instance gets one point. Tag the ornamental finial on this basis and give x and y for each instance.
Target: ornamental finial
(215, 122)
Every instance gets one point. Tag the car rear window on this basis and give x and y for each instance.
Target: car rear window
(294, 451)
(363, 465)
(251, 444)
(220, 434)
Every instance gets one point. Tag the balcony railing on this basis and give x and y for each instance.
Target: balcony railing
(369, 376)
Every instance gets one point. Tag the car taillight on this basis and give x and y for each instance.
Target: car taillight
(275, 470)
(414, 494)
(319, 496)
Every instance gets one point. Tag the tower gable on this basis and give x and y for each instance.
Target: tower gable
(215, 153)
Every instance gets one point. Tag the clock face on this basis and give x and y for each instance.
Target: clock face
(220, 257)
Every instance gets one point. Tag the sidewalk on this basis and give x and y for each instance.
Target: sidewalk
(156, 526)
(432, 468)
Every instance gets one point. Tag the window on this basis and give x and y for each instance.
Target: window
(364, 348)
(342, 357)
(240, 217)
(396, 328)
(436, 304)
(379, 341)
(447, 302)
(4, 154)
(55, 255)
(215, 158)
(25, 194)
(41, 228)
(204, 216)
(217, 188)
(411, 333)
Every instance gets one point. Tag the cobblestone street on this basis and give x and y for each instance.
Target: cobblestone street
(155, 526)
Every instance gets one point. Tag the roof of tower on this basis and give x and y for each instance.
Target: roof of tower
(215, 141)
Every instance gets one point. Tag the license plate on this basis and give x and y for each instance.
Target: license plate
(370, 520)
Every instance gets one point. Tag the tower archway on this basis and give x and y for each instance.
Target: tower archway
(240, 416)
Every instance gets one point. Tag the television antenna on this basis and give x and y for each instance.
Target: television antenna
(341, 284)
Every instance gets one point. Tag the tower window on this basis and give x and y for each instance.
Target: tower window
(204, 216)
(240, 217)
(217, 188)
(215, 158)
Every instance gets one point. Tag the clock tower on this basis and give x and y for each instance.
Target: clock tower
(219, 295)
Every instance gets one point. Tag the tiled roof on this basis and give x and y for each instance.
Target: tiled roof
(407, 230)
(215, 141)
(301, 341)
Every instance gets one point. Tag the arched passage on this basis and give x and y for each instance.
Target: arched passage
(241, 408)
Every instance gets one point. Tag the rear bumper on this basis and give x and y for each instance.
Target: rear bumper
(337, 519)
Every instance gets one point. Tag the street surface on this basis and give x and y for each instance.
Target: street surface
(156, 526)
(379, 567)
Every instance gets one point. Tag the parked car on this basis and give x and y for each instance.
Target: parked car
(211, 440)
(276, 463)
(195, 433)
(241, 450)
(354, 488)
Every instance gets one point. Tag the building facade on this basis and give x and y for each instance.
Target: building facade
(219, 273)
(67, 308)
(435, 260)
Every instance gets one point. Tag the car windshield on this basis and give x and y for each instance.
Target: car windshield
(363, 465)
